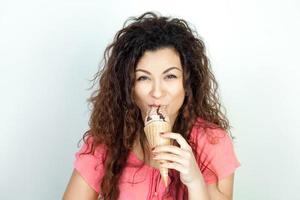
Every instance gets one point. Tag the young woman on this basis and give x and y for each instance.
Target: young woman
(155, 61)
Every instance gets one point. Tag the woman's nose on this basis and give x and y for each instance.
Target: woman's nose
(157, 90)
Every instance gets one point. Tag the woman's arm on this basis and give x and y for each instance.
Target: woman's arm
(78, 189)
(182, 159)
(198, 190)
(221, 190)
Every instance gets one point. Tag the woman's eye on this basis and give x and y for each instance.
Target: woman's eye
(171, 76)
(142, 78)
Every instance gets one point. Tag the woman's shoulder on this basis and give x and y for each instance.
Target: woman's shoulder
(89, 162)
(204, 132)
(214, 151)
(89, 147)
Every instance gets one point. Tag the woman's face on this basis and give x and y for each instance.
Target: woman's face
(159, 81)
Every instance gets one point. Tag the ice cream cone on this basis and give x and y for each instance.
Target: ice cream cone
(154, 126)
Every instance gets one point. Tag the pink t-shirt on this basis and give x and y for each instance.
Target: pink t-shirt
(214, 154)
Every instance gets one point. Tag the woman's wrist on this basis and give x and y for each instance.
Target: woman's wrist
(196, 183)
(197, 188)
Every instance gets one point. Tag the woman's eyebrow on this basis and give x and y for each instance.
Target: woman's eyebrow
(167, 70)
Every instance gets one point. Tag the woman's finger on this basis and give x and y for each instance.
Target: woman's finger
(171, 158)
(176, 136)
(176, 166)
(168, 148)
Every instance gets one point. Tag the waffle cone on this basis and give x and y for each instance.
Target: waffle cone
(152, 131)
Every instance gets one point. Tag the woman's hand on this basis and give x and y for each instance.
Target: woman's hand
(180, 158)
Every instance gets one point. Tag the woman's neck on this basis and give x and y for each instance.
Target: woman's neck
(138, 151)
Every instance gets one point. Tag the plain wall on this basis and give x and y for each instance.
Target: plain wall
(50, 49)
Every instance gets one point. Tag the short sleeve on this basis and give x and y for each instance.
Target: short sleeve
(90, 165)
(215, 155)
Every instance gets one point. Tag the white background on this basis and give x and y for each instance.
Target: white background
(50, 49)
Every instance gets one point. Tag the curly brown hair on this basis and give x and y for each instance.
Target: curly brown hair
(116, 120)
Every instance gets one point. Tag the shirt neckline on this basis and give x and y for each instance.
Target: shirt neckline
(133, 157)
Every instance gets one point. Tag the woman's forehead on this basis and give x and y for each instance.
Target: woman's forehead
(161, 59)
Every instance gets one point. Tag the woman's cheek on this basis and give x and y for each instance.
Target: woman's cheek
(139, 95)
